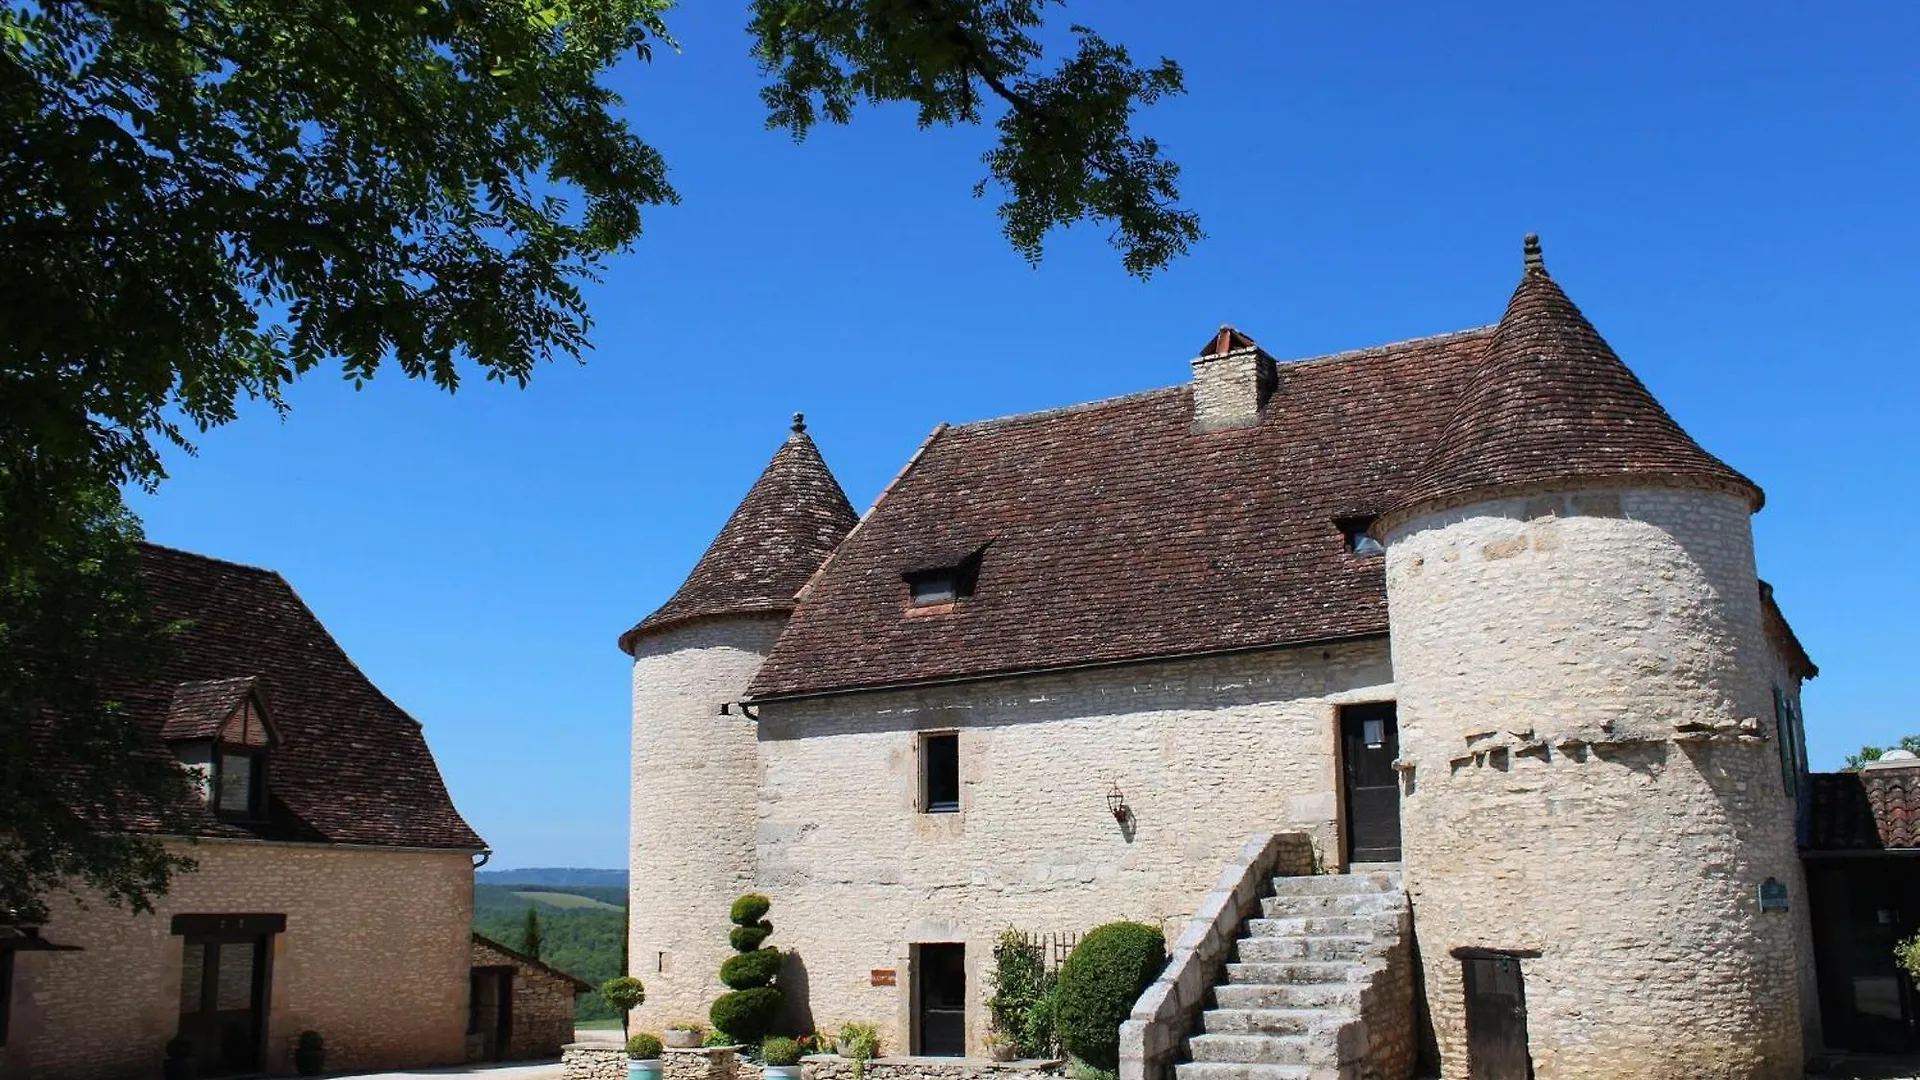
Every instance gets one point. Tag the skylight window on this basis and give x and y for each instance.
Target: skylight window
(1359, 540)
(935, 585)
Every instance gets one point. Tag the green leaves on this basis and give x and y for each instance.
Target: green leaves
(1066, 152)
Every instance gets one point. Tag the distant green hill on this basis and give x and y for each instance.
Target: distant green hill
(565, 900)
(580, 930)
(569, 878)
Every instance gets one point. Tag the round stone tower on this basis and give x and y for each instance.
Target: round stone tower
(696, 764)
(1592, 797)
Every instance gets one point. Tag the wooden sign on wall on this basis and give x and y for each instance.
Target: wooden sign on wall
(882, 976)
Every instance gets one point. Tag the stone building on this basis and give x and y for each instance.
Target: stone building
(334, 891)
(1470, 611)
(519, 1008)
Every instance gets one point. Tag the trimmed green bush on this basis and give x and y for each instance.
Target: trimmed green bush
(751, 1010)
(780, 1051)
(746, 1015)
(750, 909)
(751, 969)
(1099, 983)
(643, 1047)
(748, 938)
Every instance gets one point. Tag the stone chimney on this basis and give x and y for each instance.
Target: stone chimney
(1232, 379)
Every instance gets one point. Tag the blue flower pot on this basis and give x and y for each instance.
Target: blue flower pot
(643, 1070)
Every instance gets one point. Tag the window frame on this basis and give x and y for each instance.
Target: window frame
(256, 809)
(6, 993)
(925, 760)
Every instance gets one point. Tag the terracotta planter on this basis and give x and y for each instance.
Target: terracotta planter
(1006, 1052)
(681, 1038)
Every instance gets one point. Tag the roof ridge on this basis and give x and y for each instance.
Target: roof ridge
(1057, 410)
(1394, 346)
(203, 557)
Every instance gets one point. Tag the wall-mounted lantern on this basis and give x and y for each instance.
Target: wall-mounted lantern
(1117, 804)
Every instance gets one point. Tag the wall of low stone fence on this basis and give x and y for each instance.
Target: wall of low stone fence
(601, 1061)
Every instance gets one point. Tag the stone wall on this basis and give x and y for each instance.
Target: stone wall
(1205, 752)
(374, 957)
(542, 1009)
(1585, 710)
(696, 777)
(830, 1067)
(593, 1061)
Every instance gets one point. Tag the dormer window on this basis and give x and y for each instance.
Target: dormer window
(220, 732)
(934, 586)
(1360, 540)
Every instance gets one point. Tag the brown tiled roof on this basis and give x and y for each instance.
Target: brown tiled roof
(1112, 532)
(788, 524)
(580, 985)
(199, 708)
(1874, 809)
(349, 765)
(1551, 403)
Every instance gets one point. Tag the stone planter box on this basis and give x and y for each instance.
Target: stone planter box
(682, 1038)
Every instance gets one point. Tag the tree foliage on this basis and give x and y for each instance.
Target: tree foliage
(530, 933)
(1870, 754)
(205, 200)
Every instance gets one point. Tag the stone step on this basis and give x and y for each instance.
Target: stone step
(1250, 1049)
(1336, 883)
(1222, 1070)
(1322, 925)
(1285, 905)
(1271, 948)
(1286, 995)
(1262, 1021)
(1294, 973)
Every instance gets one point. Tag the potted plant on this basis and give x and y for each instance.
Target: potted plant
(1000, 1047)
(858, 1044)
(310, 1054)
(684, 1034)
(180, 1064)
(643, 1057)
(781, 1058)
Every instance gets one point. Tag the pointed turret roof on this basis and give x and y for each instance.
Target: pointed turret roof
(1551, 403)
(790, 521)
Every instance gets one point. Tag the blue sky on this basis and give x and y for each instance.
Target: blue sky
(1726, 189)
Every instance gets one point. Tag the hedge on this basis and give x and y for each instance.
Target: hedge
(1102, 978)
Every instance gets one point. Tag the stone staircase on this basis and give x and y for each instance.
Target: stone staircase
(1320, 987)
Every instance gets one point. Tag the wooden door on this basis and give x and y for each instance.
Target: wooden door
(1369, 744)
(1496, 1019)
(223, 998)
(940, 997)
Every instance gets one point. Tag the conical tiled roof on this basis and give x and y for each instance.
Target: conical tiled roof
(791, 520)
(1550, 403)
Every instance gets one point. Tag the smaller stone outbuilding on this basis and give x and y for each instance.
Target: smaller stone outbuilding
(520, 1008)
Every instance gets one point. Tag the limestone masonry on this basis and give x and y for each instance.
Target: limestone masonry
(1467, 619)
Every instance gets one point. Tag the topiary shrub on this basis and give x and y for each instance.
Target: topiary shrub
(1099, 983)
(745, 1016)
(751, 1010)
(751, 969)
(643, 1047)
(748, 938)
(779, 1051)
(750, 909)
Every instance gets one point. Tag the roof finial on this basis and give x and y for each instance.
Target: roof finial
(1534, 260)
(799, 423)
